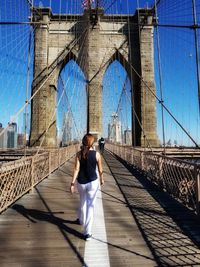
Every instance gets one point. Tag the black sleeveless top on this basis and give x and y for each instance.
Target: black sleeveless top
(87, 172)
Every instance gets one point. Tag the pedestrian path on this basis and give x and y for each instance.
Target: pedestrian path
(135, 225)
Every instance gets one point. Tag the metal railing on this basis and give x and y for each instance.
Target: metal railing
(20, 176)
(179, 178)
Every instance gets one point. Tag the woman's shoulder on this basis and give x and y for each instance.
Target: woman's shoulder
(97, 155)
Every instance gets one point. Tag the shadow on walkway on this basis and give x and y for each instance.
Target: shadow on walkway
(171, 231)
(34, 215)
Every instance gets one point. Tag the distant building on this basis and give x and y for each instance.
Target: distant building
(128, 137)
(12, 135)
(67, 129)
(115, 130)
(3, 137)
(21, 140)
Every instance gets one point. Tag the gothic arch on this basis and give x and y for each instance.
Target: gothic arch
(98, 51)
(70, 56)
(135, 93)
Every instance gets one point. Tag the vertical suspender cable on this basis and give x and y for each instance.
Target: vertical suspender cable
(131, 78)
(160, 74)
(139, 33)
(27, 86)
(166, 109)
(146, 142)
(27, 80)
(87, 66)
(197, 48)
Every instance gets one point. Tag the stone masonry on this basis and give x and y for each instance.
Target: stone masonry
(94, 41)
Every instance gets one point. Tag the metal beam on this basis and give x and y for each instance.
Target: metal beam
(192, 27)
(196, 48)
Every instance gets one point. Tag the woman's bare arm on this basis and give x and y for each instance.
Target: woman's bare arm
(100, 169)
(76, 171)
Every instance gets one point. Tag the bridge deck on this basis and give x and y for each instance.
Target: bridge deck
(144, 227)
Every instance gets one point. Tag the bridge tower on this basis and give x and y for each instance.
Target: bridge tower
(99, 40)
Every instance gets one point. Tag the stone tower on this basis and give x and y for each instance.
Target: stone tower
(94, 41)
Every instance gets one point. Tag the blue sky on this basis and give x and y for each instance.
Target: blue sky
(14, 40)
(74, 100)
(110, 6)
(177, 63)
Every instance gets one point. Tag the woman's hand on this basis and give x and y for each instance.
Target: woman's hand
(72, 188)
(102, 181)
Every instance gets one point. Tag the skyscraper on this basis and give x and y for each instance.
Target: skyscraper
(3, 137)
(128, 137)
(67, 129)
(12, 135)
(115, 129)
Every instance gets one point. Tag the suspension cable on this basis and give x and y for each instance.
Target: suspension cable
(160, 73)
(70, 109)
(27, 89)
(160, 102)
(132, 92)
(197, 48)
(141, 127)
(51, 122)
(146, 140)
(34, 94)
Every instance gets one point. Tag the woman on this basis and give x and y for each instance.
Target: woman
(87, 182)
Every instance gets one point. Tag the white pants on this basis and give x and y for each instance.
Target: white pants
(88, 194)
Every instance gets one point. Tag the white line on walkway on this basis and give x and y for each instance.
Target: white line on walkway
(96, 250)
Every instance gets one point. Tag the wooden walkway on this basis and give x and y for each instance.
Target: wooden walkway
(144, 227)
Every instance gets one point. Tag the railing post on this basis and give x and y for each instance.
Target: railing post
(160, 180)
(142, 161)
(125, 154)
(66, 155)
(58, 157)
(160, 169)
(49, 161)
(32, 173)
(132, 156)
(197, 181)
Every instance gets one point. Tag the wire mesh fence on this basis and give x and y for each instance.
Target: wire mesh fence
(20, 176)
(177, 177)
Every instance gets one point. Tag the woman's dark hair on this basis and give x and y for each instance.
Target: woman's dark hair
(87, 143)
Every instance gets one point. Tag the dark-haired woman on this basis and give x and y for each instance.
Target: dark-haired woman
(86, 163)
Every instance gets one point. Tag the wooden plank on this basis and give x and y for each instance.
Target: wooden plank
(39, 230)
(144, 226)
(167, 226)
(125, 242)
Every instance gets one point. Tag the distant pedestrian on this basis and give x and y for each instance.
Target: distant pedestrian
(86, 163)
(101, 144)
